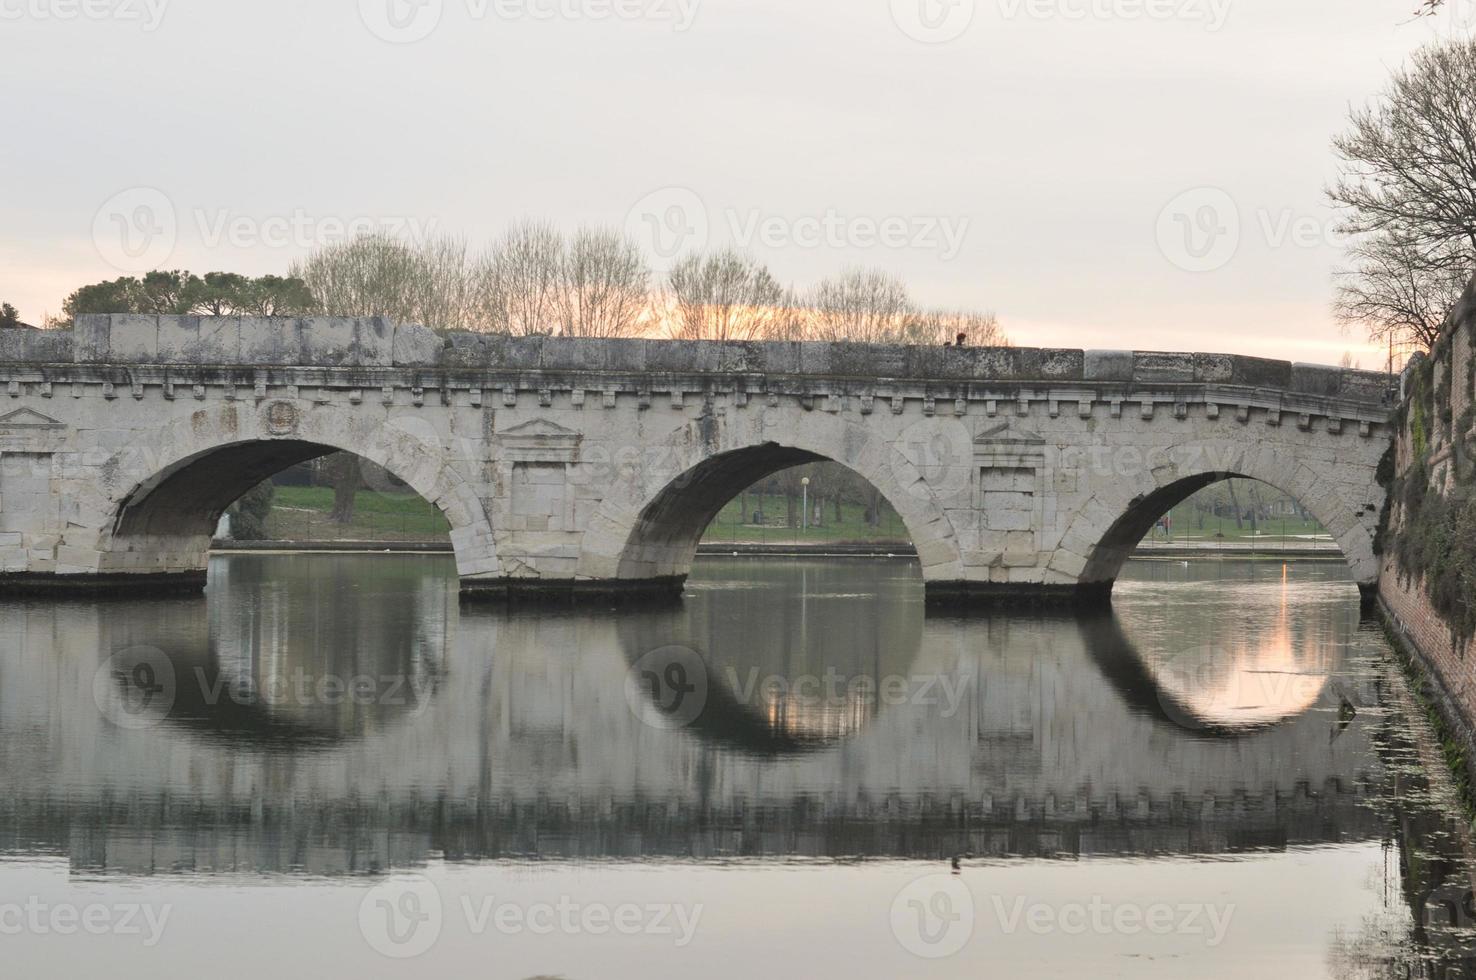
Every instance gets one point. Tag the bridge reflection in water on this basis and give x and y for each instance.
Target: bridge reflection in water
(328, 715)
(343, 715)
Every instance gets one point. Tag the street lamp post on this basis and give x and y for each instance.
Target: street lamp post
(805, 508)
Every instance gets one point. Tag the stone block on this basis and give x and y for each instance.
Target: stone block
(417, 346)
(814, 358)
(674, 357)
(90, 338)
(374, 337)
(13, 345)
(1369, 386)
(574, 354)
(133, 339)
(269, 340)
(995, 363)
(1158, 367)
(523, 353)
(1107, 365)
(328, 341)
(1007, 520)
(1261, 372)
(219, 340)
(1315, 379)
(1214, 368)
(626, 354)
(50, 346)
(469, 350)
(179, 339)
(781, 357)
(1061, 364)
(740, 357)
(934, 362)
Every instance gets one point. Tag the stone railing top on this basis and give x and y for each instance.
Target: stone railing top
(376, 342)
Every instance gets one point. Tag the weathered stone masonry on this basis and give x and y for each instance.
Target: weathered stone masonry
(1445, 433)
(565, 464)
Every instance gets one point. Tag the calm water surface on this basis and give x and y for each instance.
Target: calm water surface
(325, 765)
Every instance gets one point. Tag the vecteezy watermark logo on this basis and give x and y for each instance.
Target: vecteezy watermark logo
(40, 918)
(408, 21)
(568, 917)
(831, 229)
(136, 230)
(933, 21)
(1101, 917)
(667, 688)
(932, 459)
(669, 222)
(401, 918)
(135, 688)
(933, 917)
(401, 21)
(1199, 230)
(673, 221)
(301, 229)
(1211, 13)
(147, 13)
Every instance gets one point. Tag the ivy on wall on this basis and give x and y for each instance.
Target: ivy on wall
(1434, 539)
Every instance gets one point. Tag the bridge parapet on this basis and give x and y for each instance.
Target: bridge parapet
(376, 342)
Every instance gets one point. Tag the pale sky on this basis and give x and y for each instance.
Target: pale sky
(1079, 167)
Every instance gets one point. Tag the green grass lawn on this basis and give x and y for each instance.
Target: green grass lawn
(1186, 528)
(731, 525)
(301, 514)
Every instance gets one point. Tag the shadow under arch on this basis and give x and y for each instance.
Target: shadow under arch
(1116, 544)
(188, 497)
(669, 527)
(661, 543)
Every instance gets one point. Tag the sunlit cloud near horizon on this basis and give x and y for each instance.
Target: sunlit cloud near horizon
(1099, 173)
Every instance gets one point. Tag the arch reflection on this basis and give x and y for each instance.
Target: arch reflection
(793, 657)
(1248, 655)
(259, 661)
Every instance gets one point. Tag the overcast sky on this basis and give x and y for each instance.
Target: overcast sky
(1101, 173)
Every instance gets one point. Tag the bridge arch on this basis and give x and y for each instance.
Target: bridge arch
(167, 492)
(1103, 535)
(649, 525)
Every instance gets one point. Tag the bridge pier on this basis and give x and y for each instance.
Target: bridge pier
(532, 591)
(965, 596)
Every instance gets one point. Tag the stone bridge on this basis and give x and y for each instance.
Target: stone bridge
(568, 464)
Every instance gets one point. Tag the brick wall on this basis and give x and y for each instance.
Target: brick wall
(1452, 663)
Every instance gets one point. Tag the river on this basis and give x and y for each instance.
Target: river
(326, 766)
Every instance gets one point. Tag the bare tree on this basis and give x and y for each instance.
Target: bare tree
(863, 305)
(444, 287)
(517, 282)
(946, 326)
(723, 296)
(1408, 193)
(603, 285)
(371, 275)
(1395, 294)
